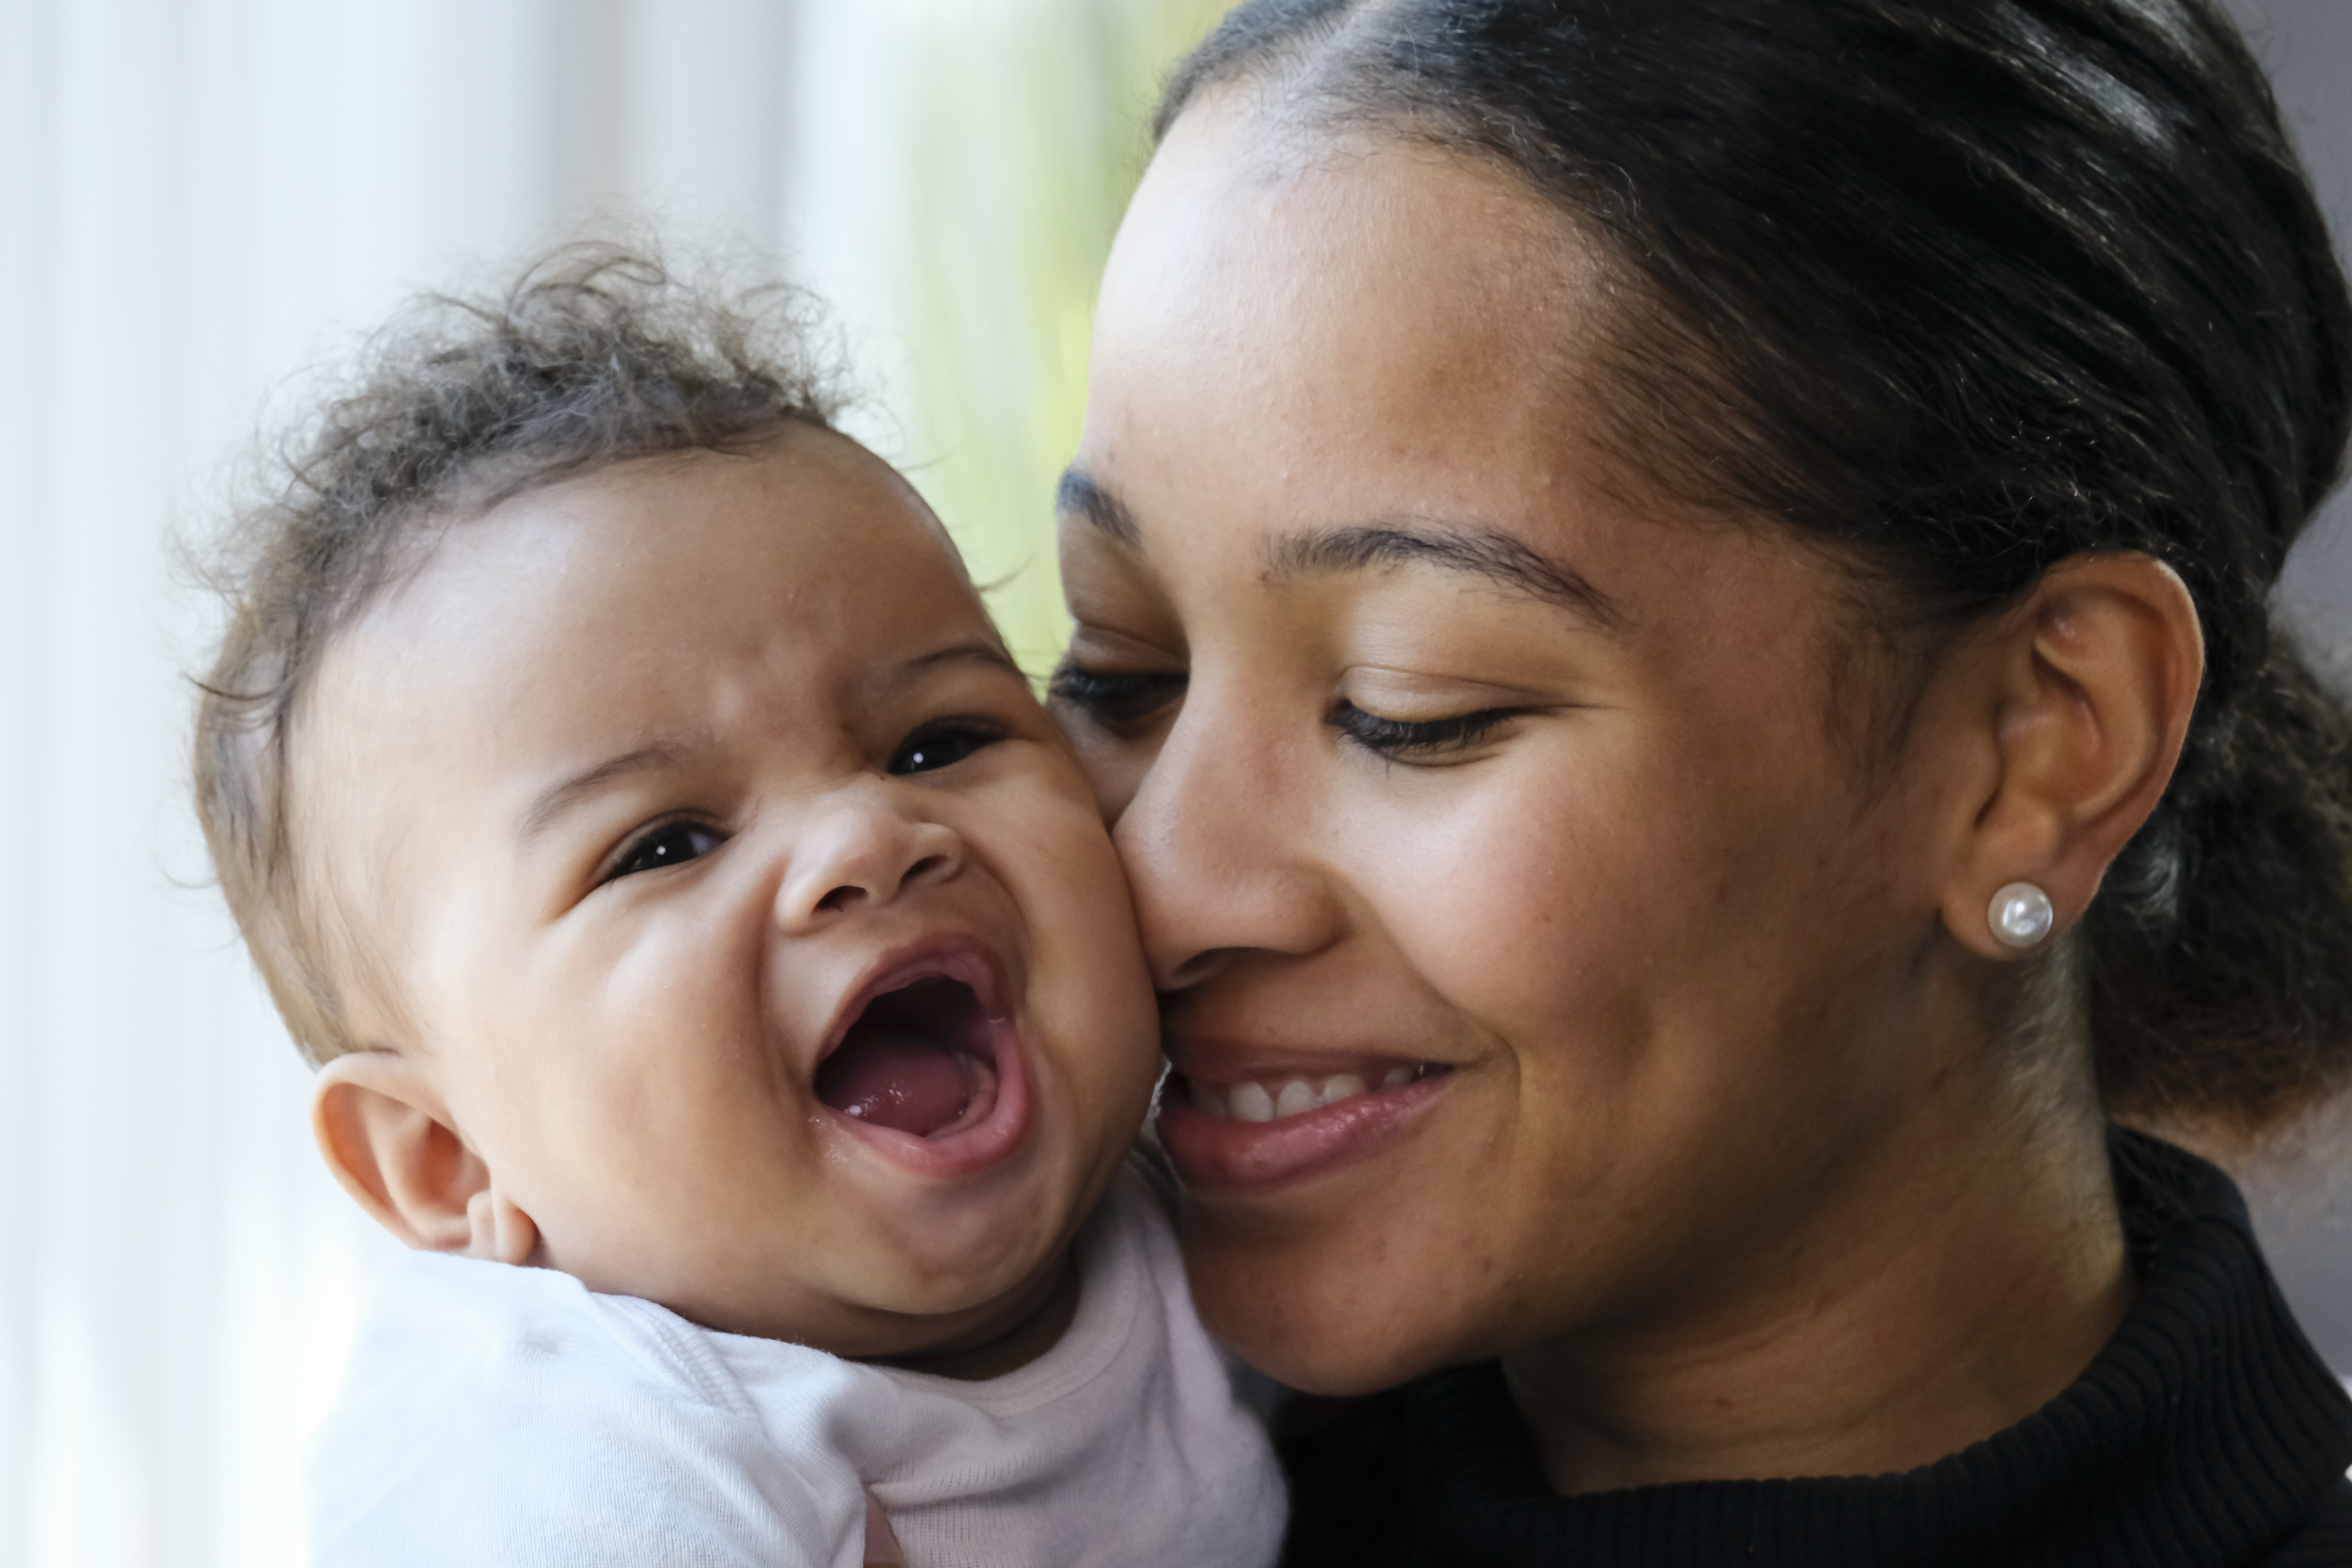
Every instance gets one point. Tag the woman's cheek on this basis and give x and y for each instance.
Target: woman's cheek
(1506, 894)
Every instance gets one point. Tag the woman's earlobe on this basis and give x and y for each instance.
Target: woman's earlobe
(388, 1140)
(2093, 682)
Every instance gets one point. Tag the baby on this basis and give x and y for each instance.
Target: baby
(718, 975)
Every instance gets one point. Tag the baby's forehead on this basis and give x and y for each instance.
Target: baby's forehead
(683, 594)
(806, 534)
(806, 541)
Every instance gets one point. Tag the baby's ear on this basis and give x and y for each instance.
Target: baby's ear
(390, 1141)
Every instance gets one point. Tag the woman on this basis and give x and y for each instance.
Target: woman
(1672, 614)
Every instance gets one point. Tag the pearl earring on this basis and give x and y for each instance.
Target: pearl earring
(2020, 915)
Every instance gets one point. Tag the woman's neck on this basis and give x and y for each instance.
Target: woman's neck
(1965, 1268)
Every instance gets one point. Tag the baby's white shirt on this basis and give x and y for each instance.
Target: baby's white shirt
(502, 1417)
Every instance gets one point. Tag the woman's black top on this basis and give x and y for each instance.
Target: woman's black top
(2206, 1433)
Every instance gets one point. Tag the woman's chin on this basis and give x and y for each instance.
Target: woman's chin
(1315, 1328)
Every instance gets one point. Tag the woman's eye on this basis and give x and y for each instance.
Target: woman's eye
(1403, 740)
(943, 743)
(1114, 696)
(671, 844)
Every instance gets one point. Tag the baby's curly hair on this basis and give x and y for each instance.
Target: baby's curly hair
(597, 354)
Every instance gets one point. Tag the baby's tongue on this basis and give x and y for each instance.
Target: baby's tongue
(895, 1079)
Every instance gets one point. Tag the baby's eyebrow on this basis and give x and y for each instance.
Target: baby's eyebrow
(552, 805)
(976, 651)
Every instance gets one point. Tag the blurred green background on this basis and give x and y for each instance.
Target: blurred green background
(1020, 132)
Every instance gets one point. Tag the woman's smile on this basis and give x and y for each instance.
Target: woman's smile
(1234, 1133)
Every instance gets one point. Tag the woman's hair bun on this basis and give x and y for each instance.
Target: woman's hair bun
(2220, 951)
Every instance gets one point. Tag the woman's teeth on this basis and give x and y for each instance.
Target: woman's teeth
(1249, 1100)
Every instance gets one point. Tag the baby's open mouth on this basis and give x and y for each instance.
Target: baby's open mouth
(918, 1060)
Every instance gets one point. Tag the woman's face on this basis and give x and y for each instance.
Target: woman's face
(1450, 770)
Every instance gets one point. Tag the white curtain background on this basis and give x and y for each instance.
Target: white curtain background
(201, 197)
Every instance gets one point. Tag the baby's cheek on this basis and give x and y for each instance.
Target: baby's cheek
(1093, 947)
(1064, 852)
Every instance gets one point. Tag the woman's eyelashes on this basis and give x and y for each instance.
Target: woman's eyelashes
(1416, 740)
(942, 743)
(672, 843)
(1120, 699)
(1113, 698)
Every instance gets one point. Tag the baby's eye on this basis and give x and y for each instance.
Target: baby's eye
(668, 844)
(1113, 698)
(942, 743)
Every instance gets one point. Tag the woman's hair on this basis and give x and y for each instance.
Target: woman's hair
(1967, 286)
(595, 355)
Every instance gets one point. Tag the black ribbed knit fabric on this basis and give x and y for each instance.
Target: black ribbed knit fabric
(2206, 1433)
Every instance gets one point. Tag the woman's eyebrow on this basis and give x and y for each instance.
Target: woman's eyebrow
(1078, 495)
(1502, 559)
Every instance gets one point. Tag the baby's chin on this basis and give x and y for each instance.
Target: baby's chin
(899, 1313)
(1025, 1320)
(891, 1270)
(985, 1263)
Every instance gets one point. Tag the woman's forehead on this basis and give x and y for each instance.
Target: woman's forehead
(1254, 248)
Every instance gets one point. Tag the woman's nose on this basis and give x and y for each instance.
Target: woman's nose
(862, 849)
(1217, 843)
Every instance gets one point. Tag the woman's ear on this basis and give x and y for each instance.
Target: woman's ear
(2079, 699)
(390, 1139)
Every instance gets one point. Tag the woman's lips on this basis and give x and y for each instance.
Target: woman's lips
(1249, 1132)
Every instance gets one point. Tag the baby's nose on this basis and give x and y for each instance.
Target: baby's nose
(863, 847)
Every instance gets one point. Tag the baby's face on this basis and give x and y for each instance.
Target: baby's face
(748, 916)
